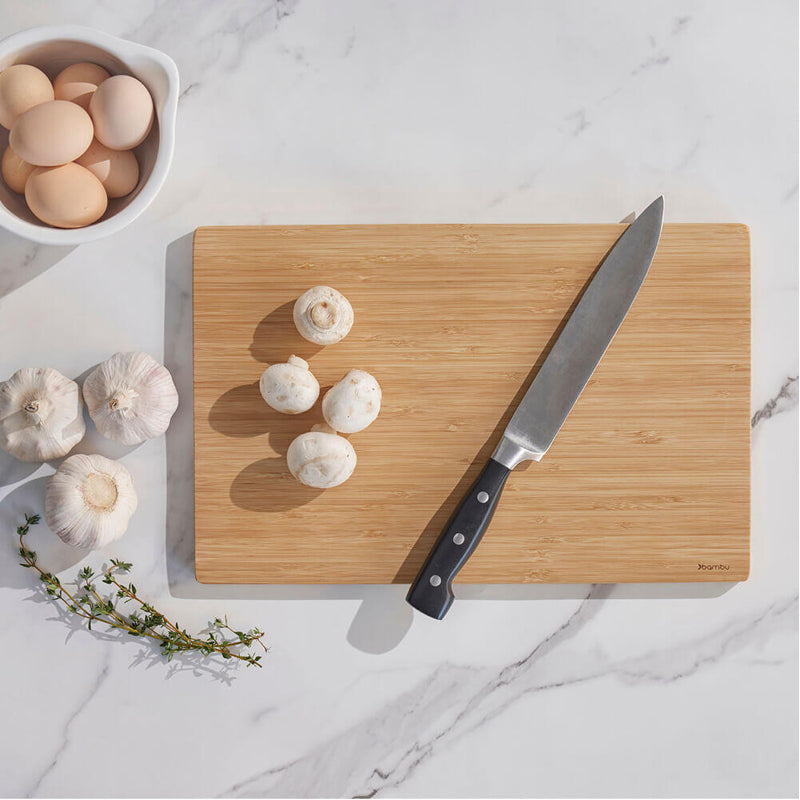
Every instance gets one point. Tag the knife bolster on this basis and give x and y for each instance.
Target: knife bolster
(509, 454)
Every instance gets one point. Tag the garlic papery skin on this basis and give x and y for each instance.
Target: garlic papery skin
(322, 315)
(90, 500)
(130, 397)
(321, 458)
(352, 404)
(41, 414)
(289, 388)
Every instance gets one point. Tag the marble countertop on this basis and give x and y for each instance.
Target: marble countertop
(369, 112)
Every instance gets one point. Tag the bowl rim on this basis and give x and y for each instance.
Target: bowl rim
(166, 115)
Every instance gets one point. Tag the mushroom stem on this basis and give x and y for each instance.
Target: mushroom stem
(323, 315)
(122, 400)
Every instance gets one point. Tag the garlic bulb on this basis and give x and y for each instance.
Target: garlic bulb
(289, 388)
(130, 397)
(89, 501)
(322, 315)
(352, 404)
(41, 414)
(321, 458)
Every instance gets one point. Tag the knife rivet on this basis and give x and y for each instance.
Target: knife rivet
(459, 538)
(483, 497)
(435, 580)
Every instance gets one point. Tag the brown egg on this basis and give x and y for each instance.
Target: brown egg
(122, 112)
(68, 196)
(118, 170)
(22, 87)
(51, 133)
(77, 83)
(15, 171)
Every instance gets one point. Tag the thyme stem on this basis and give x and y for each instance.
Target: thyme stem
(153, 625)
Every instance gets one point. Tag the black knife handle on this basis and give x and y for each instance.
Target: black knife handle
(432, 591)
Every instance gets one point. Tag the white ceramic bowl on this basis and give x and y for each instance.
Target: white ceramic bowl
(53, 47)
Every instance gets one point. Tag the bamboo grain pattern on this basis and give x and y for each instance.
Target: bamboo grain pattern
(648, 480)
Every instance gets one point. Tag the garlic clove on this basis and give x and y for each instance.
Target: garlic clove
(320, 458)
(322, 315)
(353, 403)
(90, 500)
(130, 397)
(41, 414)
(289, 388)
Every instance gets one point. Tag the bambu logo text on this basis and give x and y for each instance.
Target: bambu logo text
(717, 567)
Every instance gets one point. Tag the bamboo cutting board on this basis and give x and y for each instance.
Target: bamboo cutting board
(648, 480)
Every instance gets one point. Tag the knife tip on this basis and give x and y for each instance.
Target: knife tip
(656, 208)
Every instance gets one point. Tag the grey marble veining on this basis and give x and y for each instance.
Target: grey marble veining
(368, 112)
(455, 700)
(80, 707)
(784, 400)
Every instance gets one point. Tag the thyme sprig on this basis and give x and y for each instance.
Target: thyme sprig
(85, 601)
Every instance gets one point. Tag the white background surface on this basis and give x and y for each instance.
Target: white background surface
(358, 112)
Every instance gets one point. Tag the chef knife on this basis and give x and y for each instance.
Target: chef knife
(551, 396)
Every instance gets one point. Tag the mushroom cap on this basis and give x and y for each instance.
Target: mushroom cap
(320, 458)
(289, 388)
(353, 403)
(322, 315)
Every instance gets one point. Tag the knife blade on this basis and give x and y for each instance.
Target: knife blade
(542, 411)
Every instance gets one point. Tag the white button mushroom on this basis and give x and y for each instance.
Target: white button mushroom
(289, 388)
(41, 414)
(352, 404)
(322, 315)
(320, 458)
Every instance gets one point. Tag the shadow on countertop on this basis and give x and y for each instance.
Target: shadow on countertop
(28, 498)
(383, 618)
(24, 260)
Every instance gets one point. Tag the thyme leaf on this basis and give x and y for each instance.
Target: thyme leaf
(144, 620)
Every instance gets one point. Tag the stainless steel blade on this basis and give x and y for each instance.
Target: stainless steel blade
(582, 343)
